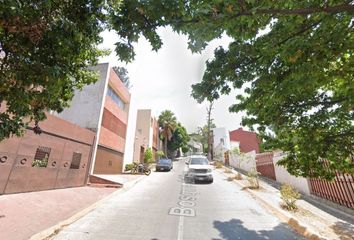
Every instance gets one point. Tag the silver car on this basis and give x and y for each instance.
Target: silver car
(199, 169)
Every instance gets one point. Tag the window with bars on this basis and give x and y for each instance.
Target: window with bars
(41, 157)
(75, 162)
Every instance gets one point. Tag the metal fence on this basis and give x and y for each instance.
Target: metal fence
(340, 190)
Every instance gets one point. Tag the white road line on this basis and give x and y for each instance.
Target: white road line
(181, 222)
(180, 228)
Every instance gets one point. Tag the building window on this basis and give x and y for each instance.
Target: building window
(222, 141)
(116, 98)
(75, 162)
(41, 157)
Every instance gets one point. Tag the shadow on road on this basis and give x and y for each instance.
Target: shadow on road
(344, 230)
(234, 229)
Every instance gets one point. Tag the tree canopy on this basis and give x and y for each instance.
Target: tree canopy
(294, 59)
(167, 122)
(179, 138)
(45, 50)
(173, 134)
(122, 73)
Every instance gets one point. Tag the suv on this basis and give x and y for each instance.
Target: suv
(199, 169)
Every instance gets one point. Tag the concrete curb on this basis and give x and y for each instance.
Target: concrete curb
(49, 233)
(283, 217)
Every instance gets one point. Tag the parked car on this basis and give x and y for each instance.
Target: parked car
(199, 169)
(164, 164)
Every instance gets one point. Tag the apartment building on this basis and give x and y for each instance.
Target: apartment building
(103, 108)
(146, 135)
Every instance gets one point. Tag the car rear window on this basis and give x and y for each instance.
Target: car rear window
(164, 161)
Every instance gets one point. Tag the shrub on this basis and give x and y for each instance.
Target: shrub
(289, 195)
(40, 162)
(148, 156)
(160, 154)
(238, 176)
(230, 179)
(218, 164)
(252, 178)
(129, 167)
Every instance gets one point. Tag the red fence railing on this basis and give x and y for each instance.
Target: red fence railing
(340, 190)
(265, 165)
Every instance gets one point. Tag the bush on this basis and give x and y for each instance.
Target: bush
(40, 162)
(160, 154)
(129, 167)
(252, 178)
(218, 164)
(148, 156)
(238, 176)
(289, 195)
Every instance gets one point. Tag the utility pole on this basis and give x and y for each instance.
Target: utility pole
(209, 120)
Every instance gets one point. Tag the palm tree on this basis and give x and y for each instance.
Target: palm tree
(167, 122)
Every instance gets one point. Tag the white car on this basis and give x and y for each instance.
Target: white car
(199, 169)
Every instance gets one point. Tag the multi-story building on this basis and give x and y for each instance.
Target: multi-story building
(248, 141)
(146, 135)
(221, 144)
(103, 107)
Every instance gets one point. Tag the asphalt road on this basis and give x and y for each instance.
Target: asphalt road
(163, 207)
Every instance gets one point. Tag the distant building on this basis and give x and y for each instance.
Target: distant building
(103, 108)
(195, 147)
(221, 144)
(146, 135)
(248, 141)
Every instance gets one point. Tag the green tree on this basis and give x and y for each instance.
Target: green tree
(293, 58)
(167, 122)
(45, 50)
(179, 139)
(203, 133)
(122, 72)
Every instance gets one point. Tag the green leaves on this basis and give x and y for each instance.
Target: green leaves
(45, 51)
(295, 60)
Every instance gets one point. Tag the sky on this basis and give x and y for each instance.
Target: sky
(162, 80)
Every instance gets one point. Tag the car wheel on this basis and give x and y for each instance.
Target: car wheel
(211, 181)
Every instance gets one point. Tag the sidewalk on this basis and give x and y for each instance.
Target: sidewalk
(308, 220)
(23, 215)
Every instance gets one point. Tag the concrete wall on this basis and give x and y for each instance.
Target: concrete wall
(143, 132)
(283, 176)
(86, 106)
(245, 161)
(64, 139)
(108, 161)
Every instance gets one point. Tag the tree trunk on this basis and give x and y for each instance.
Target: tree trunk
(165, 146)
(208, 134)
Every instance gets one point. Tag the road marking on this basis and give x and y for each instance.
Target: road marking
(181, 222)
(186, 203)
(180, 228)
(182, 211)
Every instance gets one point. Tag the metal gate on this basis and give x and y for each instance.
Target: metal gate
(265, 165)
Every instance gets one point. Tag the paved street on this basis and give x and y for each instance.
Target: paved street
(163, 207)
